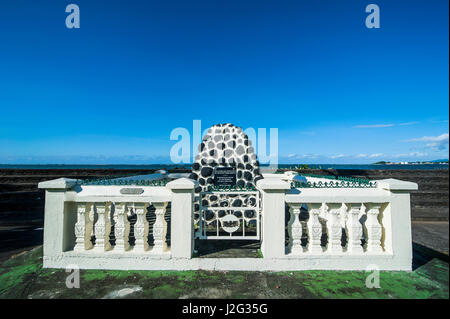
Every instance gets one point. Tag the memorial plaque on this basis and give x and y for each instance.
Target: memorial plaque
(224, 176)
(131, 191)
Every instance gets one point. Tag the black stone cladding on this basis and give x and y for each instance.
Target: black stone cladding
(225, 145)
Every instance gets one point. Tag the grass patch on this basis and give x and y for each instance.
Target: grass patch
(260, 254)
(23, 276)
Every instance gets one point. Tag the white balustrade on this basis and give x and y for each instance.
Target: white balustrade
(346, 229)
(335, 218)
(121, 234)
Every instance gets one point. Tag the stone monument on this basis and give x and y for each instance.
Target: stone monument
(226, 160)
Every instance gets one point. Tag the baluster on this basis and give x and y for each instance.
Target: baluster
(295, 229)
(80, 229)
(373, 228)
(141, 227)
(354, 229)
(102, 227)
(121, 228)
(159, 229)
(314, 228)
(334, 228)
(82, 232)
(90, 219)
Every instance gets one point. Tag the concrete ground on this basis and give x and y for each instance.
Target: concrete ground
(433, 235)
(23, 277)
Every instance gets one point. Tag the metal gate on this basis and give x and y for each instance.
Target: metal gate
(229, 215)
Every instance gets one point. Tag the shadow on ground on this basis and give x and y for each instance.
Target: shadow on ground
(228, 248)
(423, 255)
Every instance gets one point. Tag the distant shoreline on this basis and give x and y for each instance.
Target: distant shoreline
(417, 166)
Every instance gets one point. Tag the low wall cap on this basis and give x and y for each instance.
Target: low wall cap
(182, 183)
(272, 183)
(60, 183)
(396, 184)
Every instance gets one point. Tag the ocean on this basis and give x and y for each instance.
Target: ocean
(187, 166)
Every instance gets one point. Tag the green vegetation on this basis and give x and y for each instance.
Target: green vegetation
(24, 277)
(301, 166)
(260, 254)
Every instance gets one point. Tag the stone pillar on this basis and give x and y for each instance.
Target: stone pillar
(182, 219)
(273, 193)
(397, 224)
(396, 220)
(55, 215)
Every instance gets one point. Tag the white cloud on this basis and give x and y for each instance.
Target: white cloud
(384, 125)
(437, 143)
(337, 156)
(412, 154)
(373, 125)
(376, 155)
(303, 156)
(361, 155)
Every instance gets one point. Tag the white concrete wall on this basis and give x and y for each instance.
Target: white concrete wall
(60, 217)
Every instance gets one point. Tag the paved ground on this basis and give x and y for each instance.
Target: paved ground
(433, 235)
(24, 277)
(15, 239)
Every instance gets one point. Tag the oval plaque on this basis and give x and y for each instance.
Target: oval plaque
(131, 191)
(230, 223)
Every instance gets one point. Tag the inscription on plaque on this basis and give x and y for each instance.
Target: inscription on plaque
(131, 191)
(224, 176)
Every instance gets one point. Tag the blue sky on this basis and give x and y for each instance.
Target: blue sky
(113, 90)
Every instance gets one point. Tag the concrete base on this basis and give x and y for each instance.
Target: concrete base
(287, 263)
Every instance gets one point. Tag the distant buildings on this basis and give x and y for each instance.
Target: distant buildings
(444, 162)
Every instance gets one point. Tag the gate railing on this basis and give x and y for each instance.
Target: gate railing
(229, 214)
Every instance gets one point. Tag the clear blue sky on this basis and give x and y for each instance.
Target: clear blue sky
(112, 91)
